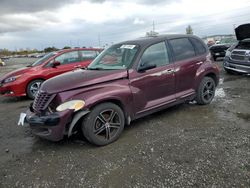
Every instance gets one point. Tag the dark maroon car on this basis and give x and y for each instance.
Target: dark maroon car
(127, 81)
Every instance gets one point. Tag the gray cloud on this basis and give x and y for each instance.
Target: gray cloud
(25, 6)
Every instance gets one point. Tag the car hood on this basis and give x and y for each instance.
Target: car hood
(80, 78)
(243, 31)
(17, 72)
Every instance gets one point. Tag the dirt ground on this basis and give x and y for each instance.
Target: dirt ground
(184, 146)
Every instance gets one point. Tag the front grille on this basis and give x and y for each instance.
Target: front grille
(239, 52)
(41, 101)
(239, 55)
(238, 58)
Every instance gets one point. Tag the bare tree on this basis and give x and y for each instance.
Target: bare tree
(189, 30)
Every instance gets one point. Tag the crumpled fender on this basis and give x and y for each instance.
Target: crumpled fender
(76, 118)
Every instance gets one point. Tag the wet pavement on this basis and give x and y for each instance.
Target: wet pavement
(184, 146)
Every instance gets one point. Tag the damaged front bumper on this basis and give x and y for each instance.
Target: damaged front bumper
(51, 127)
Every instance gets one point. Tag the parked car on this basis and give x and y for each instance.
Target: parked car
(127, 81)
(26, 81)
(1, 62)
(219, 49)
(237, 57)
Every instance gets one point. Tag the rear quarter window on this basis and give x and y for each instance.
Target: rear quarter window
(199, 47)
(182, 48)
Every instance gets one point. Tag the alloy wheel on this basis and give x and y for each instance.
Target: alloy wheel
(107, 124)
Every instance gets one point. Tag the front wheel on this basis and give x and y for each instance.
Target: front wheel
(206, 91)
(104, 124)
(33, 88)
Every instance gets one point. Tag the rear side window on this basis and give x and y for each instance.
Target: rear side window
(183, 49)
(68, 57)
(156, 54)
(199, 47)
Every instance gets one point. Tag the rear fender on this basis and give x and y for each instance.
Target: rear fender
(204, 70)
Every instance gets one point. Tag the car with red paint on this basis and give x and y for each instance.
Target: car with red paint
(26, 81)
(127, 81)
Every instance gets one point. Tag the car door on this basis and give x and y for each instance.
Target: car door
(154, 87)
(68, 62)
(186, 65)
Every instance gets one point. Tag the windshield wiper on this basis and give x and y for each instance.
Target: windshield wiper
(30, 65)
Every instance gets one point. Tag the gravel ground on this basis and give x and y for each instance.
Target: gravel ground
(184, 146)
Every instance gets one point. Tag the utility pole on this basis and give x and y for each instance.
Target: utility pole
(99, 40)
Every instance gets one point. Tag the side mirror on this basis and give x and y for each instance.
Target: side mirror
(55, 64)
(146, 66)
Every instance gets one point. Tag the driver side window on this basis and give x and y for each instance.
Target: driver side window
(68, 57)
(155, 55)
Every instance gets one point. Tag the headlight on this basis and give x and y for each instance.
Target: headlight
(11, 79)
(228, 53)
(71, 105)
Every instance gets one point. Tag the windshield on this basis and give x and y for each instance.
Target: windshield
(227, 41)
(43, 59)
(119, 56)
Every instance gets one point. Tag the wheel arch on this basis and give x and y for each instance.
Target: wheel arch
(213, 76)
(118, 103)
(31, 80)
(76, 125)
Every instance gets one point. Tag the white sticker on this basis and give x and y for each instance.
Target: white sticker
(22, 119)
(128, 46)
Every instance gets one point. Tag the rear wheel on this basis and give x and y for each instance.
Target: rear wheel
(33, 88)
(206, 91)
(104, 124)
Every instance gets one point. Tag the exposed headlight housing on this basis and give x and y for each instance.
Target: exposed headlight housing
(11, 79)
(71, 105)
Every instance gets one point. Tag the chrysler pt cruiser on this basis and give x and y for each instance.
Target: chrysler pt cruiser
(125, 82)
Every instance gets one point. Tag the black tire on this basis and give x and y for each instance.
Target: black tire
(206, 91)
(33, 87)
(104, 124)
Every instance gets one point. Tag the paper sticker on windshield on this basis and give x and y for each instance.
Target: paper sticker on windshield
(128, 46)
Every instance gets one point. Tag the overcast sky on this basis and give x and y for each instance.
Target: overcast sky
(42, 23)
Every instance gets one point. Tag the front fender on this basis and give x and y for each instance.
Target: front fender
(76, 118)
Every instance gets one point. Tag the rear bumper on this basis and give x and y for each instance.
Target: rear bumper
(234, 66)
(219, 54)
(51, 127)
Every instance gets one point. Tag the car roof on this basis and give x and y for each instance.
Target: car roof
(153, 39)
(76, 49)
